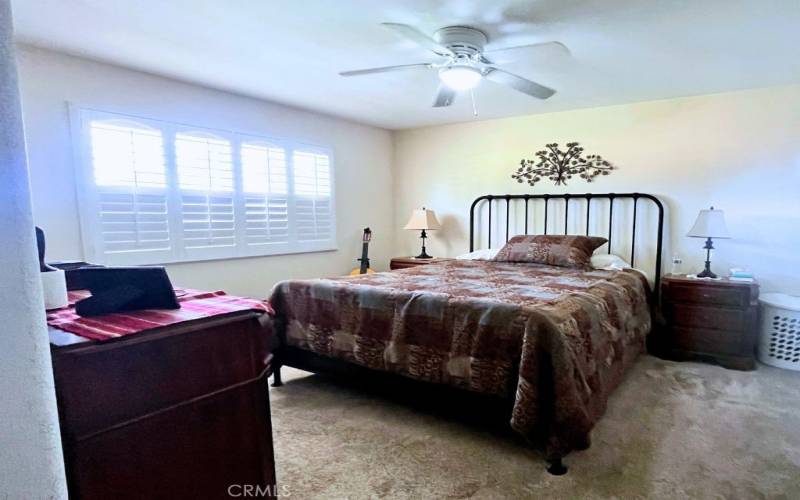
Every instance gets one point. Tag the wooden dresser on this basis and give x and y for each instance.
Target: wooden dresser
(176, 412)
(404, 262)
(716, 319)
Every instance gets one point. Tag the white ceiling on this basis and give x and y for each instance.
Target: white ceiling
(291, 51)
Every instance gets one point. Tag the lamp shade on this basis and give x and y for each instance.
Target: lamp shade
(422, 218)
(710, 224)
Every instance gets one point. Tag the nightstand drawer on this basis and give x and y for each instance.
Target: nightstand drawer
(394, 266)
(712, 318)
(707, 341)
(406, 262)
(726, 296)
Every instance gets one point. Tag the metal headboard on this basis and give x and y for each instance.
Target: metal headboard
(497, 202)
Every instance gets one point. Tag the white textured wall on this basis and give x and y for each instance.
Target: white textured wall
(363, 157)
(738, 151)
(31, 463)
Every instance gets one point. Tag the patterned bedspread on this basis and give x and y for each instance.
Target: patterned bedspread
(557, 340)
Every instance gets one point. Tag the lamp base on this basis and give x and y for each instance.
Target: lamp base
(707, 274)
(423, 254)
(707, 271)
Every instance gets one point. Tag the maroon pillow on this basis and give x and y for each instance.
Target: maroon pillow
(553, 250)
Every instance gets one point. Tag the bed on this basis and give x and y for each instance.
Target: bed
(553, 341)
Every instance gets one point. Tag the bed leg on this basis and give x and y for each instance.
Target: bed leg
(557, 467)
(276, 377)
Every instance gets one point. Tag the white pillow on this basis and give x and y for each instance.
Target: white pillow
(609, 261)
(485, 254)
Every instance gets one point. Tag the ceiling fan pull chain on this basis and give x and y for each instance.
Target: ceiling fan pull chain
(474, 107)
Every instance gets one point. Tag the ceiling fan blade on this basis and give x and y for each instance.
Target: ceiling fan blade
(518, 83)
(419, 38)
(554, 45)
(384, 69)
(444, 96)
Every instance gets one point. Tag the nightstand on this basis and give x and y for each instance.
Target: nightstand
(711, 318)
(404, 262)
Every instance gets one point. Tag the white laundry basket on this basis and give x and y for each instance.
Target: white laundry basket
(779, 344)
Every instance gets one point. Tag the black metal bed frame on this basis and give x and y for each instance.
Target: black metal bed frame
(498, 199)
(306, 360)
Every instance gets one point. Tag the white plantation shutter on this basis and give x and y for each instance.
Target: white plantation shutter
(205, 180)
(266, 194)
(154, 192)
(312, 191)
(129, 172)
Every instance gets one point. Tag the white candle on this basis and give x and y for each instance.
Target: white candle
(54, 286)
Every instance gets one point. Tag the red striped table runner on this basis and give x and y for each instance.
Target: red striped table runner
(195, 304)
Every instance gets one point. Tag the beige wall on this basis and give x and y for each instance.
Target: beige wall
(737, 151)
(363, 162)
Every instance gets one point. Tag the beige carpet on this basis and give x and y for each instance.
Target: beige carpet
(672, 430)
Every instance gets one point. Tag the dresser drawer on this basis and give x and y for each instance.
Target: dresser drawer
(712, 318)
(107, 384)
(704, 341)
(725, 296)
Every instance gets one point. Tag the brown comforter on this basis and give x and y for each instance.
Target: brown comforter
(557, 339)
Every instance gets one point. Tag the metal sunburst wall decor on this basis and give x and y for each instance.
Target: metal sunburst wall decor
(559, 166)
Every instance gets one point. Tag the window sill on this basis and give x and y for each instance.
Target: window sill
(133, 261)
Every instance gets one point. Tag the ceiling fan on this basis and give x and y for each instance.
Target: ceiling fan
(465, 64)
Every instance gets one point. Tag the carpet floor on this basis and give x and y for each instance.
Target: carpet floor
(672, 430)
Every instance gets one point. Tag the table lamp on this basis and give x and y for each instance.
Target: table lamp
(709, 224)
(423, 220)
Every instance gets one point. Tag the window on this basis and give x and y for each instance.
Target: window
(205, 183)
(266, 194)
(156, 192)
(312, 195)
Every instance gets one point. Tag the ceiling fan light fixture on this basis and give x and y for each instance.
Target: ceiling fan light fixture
(462, 64)
(460, 77)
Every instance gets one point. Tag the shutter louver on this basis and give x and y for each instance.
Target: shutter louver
(264, 183)
(312, 191)
(205, 180)
(130, 177)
